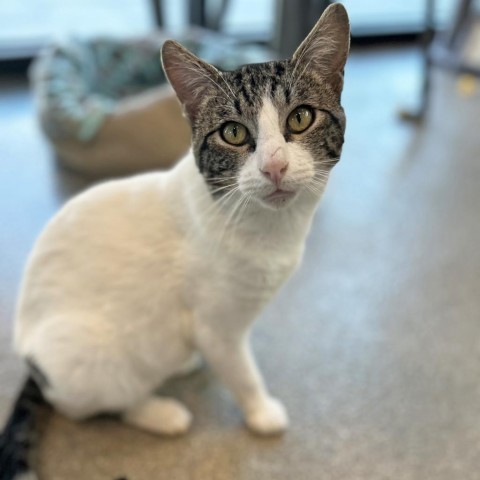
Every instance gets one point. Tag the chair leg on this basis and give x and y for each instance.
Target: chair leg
(158, 13)
(418, 115)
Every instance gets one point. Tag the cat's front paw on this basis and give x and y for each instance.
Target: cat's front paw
(269, 417)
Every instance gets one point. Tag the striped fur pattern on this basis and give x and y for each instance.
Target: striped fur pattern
(313, 77)
(276, 81)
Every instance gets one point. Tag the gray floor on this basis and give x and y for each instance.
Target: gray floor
(374, 345)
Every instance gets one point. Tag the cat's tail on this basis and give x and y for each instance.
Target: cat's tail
(20, 436)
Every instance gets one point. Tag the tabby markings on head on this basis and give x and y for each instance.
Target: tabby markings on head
(224, 108)
(252, 84)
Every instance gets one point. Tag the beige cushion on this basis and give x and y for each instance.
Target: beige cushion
(145, 132)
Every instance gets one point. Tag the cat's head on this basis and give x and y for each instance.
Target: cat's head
(273, 130)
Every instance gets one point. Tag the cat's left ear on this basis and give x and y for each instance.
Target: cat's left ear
(191, 78)
(326, 47)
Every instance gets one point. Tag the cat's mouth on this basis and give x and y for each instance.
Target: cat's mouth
(279, 197)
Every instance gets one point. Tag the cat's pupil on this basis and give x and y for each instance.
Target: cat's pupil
(298, 117)
(235, 131)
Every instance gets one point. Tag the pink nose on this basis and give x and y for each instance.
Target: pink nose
(275, 168)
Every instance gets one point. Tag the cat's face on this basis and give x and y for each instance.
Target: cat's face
(272, 130)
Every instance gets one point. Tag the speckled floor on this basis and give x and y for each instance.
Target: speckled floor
(374, 345)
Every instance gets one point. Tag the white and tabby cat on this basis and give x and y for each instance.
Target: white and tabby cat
(134, 279)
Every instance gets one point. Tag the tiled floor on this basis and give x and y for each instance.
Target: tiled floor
(374, 344)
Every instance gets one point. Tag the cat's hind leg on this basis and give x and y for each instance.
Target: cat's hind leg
(160, 415)
(89, 371)
(163, 415)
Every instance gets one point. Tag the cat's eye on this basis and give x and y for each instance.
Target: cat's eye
(234, 133)
(300, 119)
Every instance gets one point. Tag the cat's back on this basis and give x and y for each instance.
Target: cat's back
(98, 247)
(104, 216)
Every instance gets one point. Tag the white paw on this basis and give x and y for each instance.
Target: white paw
(175, 418)
(269, 417)
(164, 416)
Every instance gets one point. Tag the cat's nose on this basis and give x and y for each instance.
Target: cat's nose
(275, 167)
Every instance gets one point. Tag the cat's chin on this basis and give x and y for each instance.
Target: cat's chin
(278, 199)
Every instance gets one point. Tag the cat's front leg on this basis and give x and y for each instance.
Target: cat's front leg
(230, 356)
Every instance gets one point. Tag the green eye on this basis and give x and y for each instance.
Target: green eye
(300, 119)
(234, 133)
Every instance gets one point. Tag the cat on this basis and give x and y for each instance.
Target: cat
(136, 280)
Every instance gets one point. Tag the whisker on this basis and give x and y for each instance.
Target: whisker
(303, 72)
(227, 84)
(297, 62)
(212, 212)
(235, 220)
(219, 189)
(226, 224)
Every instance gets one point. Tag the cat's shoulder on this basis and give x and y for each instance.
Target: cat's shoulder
(142, 185)
(121, 187)
(107, 205)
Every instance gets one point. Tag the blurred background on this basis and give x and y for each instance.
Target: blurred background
(374, 344)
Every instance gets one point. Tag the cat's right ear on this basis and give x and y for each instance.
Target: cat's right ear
(190, 77)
